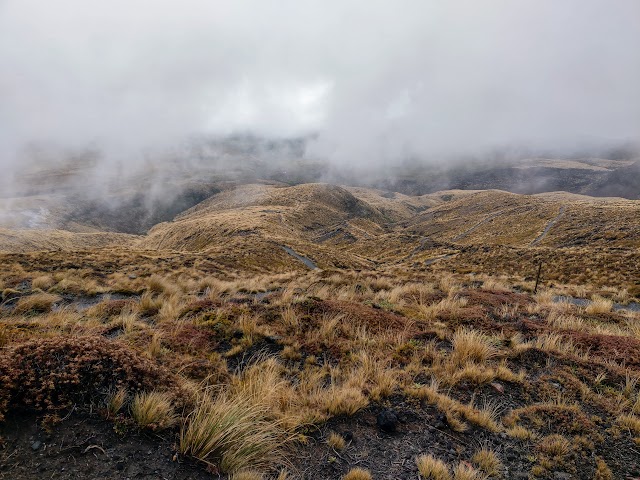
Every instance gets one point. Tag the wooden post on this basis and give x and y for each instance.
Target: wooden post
(535, 289)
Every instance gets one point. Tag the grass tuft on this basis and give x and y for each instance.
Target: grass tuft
(465, 471)
(470, 346)
(36, 303)
(336, 441)
(231, 434)
(487, 461)
(358, 474)
(431, 468)
(153, 410)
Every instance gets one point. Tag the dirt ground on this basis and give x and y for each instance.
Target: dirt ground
(87, 447)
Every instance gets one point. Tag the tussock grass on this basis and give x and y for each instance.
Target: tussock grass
(155, 349)
(598, 305)
(487, 461)
(246, 475)
(319, 362)
(630, 422)
(464, 471)
(449, 304)
(431, 468)
(603, 472)
(485, 417)
(554, 445)
(345, 400)
(521, 433)
(554, 342)
(43, 282)
(149, 305)
(232, 433)
(336, 441)
(263, 384)
(116, 401)
(290, 317)
(36, 303)
(153, 410)
(470, 346)
(358, 474)
(545, 298)
(4, 335)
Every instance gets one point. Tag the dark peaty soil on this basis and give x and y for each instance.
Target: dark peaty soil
(391, 456)
(87, 447)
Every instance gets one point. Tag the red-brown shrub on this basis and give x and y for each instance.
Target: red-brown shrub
(53, 374)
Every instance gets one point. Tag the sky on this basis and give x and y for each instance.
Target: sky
(375, 81)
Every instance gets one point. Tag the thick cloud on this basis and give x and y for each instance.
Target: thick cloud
(379, 81)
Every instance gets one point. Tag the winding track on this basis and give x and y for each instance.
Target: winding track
(550, 224)
(297, 256)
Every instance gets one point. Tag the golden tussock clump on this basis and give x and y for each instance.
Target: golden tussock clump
(36, 303)
(431, 468)
(358, 474)
(153, 410)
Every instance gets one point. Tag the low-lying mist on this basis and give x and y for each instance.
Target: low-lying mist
(133, 110)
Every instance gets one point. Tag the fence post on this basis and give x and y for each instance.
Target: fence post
(535, 289)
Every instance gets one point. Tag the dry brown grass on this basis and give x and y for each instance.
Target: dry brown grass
(464, 471)
(153, 410)
(232, 434)
(336, 441)
(470, 346)
(431, 468)
(358, 474)
(246, 475)
(487, 461)
(630, 422)
(598, 305)
(485, 417)
(554, 445)
(603, 472)
(36, 303)
(116, 401)
(43, 282)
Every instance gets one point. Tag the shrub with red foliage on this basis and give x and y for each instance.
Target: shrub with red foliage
(611, 347)
(493, 299)
(55, 373)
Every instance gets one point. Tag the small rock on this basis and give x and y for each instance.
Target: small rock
(132, 276)
(36, 445)
(498, 387)
(440, 422)
(562, 476)
(387, 421)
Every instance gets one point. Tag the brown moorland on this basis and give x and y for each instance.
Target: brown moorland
(417, 345)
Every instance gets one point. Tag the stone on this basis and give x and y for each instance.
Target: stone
(387, 421)
(562, 476)
(498, 387)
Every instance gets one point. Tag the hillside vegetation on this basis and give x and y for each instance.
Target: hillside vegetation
(323, 332)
